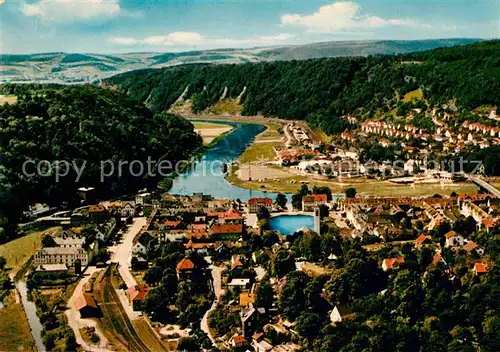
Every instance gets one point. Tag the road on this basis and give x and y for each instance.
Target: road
(216, 280)
(123, 252)
(485, 185)
(76, 322)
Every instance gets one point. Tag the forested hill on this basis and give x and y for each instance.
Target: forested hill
(322, 90)
(79, 123)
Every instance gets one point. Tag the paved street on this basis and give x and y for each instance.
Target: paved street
(216, 279)
(123, 252)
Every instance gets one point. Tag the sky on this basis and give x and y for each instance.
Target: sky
(118, 26)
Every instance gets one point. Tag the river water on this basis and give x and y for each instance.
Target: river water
(206, 176)
(30, 309)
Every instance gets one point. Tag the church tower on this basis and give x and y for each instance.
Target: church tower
(317, 222)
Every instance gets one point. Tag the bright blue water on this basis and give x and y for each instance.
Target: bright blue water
(288, 224)
(206, 176)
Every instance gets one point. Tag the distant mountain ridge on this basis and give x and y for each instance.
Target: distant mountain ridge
(59, 67)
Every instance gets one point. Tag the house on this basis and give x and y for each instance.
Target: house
(63, 255)
(201, 248)
(242, 283)
(87, 306)
(128, 209)
(392, 263)
(472, 247)
(261, 345)
(98, 213)
(248, 316)
(422, 240)
(52, 268)
(137, 294)
(480, 268)
(232, 216)
(236, 261)
(312, 201)
(226, 230)
(246, 298)
(69, 242)
(185, 269)
(254, 204)
(340, 312)
(140, 247)
(453, 239)
(239, 341)
(142, 198)
(438, 258)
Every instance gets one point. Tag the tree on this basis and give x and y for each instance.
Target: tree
(3, 262)
(281, 200)
(188, 343)
(263, 213)
(264, 295)
(78, 267)
(323, 190)
(324, 211)
(48, 241)
(309, 324)
(350, 192)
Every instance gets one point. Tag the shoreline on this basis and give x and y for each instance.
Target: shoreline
(289, 185)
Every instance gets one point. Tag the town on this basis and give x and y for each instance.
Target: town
(198, 271)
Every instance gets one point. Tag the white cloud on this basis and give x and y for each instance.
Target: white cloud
(341, 16)
(180, 39)
(124, 41)
(71, 10)
(175, 38)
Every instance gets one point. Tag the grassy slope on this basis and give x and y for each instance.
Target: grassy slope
(18, 251)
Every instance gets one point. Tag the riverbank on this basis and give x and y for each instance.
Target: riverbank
(16, 333)
(280, 180)
(211, 133)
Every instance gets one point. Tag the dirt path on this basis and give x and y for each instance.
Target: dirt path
(216, 280)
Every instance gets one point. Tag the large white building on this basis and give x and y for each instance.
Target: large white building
(63, 255)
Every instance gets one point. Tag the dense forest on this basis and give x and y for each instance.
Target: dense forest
(322, 90)
(79, 124)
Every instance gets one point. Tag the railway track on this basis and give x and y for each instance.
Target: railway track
(115, 318)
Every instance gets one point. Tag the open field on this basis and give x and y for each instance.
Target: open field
(414, 95)
(18, 251)
(9, 99)
(210, 131)
(15, 332)
(259, 152)
(364, 186)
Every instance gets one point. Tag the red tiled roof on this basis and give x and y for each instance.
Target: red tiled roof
(192, 245)
(266, 201)
(421, 239)
(321, 198)
(172, 223)
(232, 214)
(239, 339)
(392, 263)
(256, 336)
(185, 264)
(97, 208)
(137, 292)
(85, 300)
(227, 229)
(470, 246)
(480, 268)
(450, 234)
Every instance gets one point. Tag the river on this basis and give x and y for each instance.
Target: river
(207, 177)
(30, 309)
